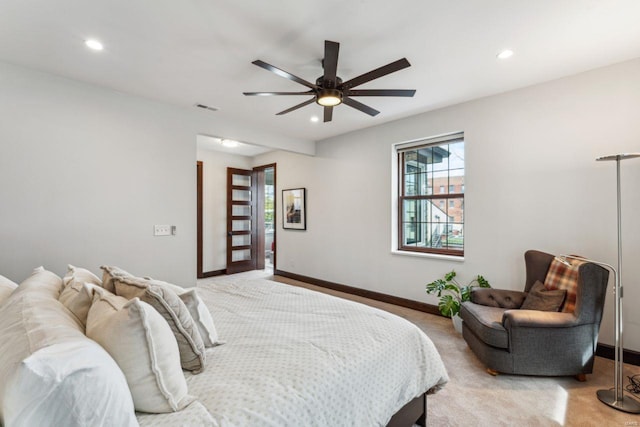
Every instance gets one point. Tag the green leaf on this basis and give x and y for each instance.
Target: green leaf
(465, 293)
(452, 288)
(448, 306)
(448, 289)
(482, 282)
(437, 286)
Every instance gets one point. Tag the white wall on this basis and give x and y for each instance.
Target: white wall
(85, 173)
(532, 183)
(214, 221)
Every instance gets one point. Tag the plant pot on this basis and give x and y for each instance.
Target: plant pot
(457, 323)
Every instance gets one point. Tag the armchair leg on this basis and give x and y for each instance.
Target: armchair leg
(492, 372)
(581, 377)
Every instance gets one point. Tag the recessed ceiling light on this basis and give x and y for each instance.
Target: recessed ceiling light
(93, 44)
(505, 54)
(230, 143)
(314, 119)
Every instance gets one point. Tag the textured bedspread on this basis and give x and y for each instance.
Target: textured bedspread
(295, 357)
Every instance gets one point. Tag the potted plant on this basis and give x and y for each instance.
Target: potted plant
(452, 295)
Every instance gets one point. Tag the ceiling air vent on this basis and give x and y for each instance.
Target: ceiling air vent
(206, 107)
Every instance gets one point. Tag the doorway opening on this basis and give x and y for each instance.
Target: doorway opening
(265, 208)
(247, 236)
(270, 217)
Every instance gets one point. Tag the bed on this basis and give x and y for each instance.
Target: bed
(75, 351)
(296, 357)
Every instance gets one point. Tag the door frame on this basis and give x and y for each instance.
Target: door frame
(199, 224)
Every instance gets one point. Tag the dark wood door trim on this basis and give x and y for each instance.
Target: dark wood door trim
(199, 272)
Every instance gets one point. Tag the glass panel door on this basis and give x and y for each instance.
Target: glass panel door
(240, 221)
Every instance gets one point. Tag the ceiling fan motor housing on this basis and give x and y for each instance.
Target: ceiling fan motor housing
(321, 82)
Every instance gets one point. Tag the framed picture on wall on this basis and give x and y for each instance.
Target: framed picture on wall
(294, 212)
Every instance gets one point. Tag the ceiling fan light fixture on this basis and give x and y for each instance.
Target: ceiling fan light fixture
(329, 97)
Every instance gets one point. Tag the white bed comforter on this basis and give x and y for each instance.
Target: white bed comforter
(295, 357)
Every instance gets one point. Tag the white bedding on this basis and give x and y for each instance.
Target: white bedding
(296, 357)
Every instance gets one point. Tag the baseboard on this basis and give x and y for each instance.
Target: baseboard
(378, 296)
(603, 350)
(608, 352)
(212, 273)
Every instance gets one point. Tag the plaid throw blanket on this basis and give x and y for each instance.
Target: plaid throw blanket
(561, 276)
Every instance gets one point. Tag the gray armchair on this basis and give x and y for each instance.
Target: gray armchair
(530, 342)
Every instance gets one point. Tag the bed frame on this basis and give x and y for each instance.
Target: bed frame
(414, 412)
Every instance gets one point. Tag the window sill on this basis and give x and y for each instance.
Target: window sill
(427, 255)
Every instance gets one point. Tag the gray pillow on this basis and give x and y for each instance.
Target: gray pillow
(542, 299)
(174, 311)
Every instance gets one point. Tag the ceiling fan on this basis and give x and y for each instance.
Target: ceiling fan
(329, 90)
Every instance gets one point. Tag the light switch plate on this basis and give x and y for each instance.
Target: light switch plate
(162, 230)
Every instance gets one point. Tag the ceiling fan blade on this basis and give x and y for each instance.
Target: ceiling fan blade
(328, 114)
(360, 106)
(310, 92)
(283, 73)
(377, 73)
(295, 107)
(381, 92)
(330, 64)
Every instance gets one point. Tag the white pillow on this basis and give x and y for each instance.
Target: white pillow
(78, 297)
(174, 311)
(109, 272)
(42, 348)
(77, 275)
(142, 344)
(6, 288)
(202, 317)
(74, 383)
(199, 312)
(77, 294)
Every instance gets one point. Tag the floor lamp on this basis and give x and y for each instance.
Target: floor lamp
(615, 398)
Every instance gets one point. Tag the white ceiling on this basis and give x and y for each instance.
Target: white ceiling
(200, 51)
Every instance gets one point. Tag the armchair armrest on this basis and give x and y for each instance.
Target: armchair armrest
(537, 319)
(501, 298)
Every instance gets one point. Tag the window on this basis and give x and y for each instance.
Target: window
(428, 222)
